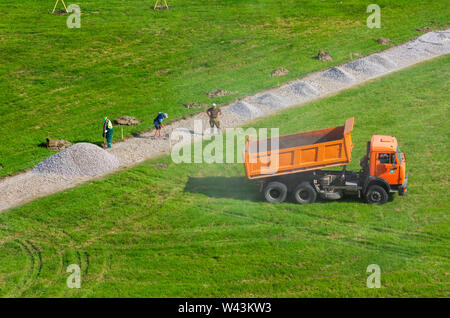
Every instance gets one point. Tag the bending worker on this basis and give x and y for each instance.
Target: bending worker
(214, 114)
(107, 130)
(158, 123)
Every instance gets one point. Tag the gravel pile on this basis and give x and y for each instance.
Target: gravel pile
(245, 110)
(365, 66)
(270, 100)
(339, 75)
(82, 159)
(436, 38)
(382, 60)
(304, 89)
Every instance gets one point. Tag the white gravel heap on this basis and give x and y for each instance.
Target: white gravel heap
(338, 74)
(437, 38)
(82, 159)
(271, 100)
(366, 66)
(382, 60)
(304, 89)
(245, 110)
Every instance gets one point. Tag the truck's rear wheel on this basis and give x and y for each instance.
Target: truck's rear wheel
(376, 195)
(275, 192)
(305, 193)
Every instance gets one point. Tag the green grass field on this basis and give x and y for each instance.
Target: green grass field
(127, 59)
(204, 230)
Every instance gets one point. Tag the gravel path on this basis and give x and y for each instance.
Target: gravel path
(78, 164)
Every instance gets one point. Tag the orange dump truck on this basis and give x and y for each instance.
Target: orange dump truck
(294, 164)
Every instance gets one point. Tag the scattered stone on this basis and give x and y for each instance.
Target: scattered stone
(127, 121)
(162, 7)
(162, 166)
(57, 144)
(37, 127)
(195, 105)
(424, 29)
(384, 41)
(339, 75)
(3, 39)
(82, 159)
(281, 71)
(324, 56)
(1, 166)
(218, 93)
(353, 55)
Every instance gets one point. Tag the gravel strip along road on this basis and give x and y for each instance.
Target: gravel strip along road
(79, 163)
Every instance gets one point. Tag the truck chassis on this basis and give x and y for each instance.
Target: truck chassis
(306, 187)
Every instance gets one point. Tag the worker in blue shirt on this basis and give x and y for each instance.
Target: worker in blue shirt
(158, 123)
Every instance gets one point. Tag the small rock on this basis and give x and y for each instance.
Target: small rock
(384, 41)
(162, 166)
(162, 7)
(424, 29)
(434, 22)
(60, 12)
(3, 39)
(194, 105)
(353, 55)
(281, 71)
(127, 121)
(324, 56)
(217, 93)
(1, 167)
(57, 144)
(37, 127)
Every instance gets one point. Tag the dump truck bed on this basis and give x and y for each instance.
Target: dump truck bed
(300, 152)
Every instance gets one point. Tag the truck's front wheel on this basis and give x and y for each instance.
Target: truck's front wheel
(275, 192)
(305, 193)
(376, 195)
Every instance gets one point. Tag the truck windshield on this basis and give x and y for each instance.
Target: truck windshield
(399, 155)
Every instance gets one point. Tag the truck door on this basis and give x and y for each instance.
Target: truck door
(387, 167)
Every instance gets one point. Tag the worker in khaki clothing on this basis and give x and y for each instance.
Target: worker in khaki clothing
(214, 114)
(107, 130)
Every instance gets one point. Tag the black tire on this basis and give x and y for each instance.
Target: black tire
(275, 192)
(304, 193)
(376, 195)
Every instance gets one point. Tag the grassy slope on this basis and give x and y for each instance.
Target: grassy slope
(203, 230)
(129, 60)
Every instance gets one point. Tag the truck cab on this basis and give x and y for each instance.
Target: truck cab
(386, 166)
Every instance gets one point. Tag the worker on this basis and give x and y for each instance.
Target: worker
(158, 124)
(214, 114)
(107, 130)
